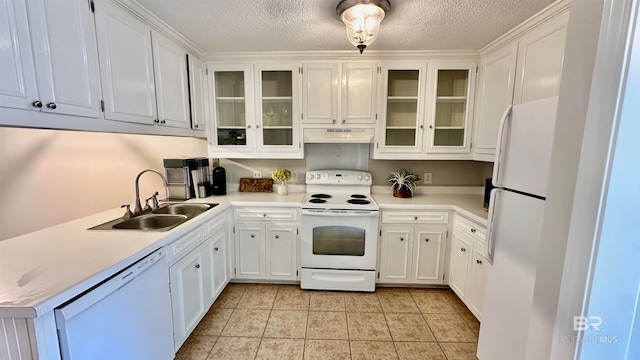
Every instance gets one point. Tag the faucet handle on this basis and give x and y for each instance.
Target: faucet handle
(128, 214)
(146, 205)
(155, 200)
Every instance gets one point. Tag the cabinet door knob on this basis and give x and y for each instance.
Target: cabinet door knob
(195, 126)
(401, 239)
(344, 121)
(257, 126)
(415, 218)
(248, 126)
(479, 262)
(215, 249)
(52, 105)
(36, 103)
(463, 249)
(162, 122)
(430, 126)
(277, 236)
(197, 266)
(156, 121)
(426, 239)
(422, 127)
(253, 236)
(473, 230)
(264, 215)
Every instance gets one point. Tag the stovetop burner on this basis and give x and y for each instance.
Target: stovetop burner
(321, 196)
(359, 196)
(358, 201)
(317, 201)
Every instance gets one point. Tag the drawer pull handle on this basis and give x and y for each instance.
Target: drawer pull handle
(197, 266)
(215, 249)
(473, 230)
(277, 236)
(479, 262)
(264, 215)
(415, 218)
(463, 249)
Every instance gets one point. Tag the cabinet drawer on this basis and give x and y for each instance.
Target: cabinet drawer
(261, 213)
(184, 245)
(471, 228)
(215, 224)
(416, 217)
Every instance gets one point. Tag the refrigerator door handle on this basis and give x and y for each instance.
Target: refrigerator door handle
(496, 163)
(489, 243)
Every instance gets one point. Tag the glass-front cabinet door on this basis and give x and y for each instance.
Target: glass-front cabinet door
(450, 118)
(232, 91)
(278, 120)
(402, 94)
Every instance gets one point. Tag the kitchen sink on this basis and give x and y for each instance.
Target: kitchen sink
(152, 222)
(163, 218)
(183, 209)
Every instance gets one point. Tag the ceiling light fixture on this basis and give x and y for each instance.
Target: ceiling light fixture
(362, 18)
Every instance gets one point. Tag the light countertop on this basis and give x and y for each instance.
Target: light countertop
(43, 269)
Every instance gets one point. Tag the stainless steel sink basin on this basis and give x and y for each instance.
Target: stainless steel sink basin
(152, 222)
(164, 218)
(190, 210)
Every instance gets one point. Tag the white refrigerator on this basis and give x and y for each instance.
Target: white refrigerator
(516, 211)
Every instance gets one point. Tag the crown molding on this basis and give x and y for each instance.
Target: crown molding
(543, 16)
(350, 55)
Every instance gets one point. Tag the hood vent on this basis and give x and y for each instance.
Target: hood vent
(340, 135)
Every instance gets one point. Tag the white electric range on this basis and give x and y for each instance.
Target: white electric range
(338, 246)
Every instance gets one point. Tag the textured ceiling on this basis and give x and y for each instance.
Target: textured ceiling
(312, 25)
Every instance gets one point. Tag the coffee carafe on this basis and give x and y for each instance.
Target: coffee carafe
(219, 181)
(203, 180)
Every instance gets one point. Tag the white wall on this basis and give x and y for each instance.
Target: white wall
(48, 177)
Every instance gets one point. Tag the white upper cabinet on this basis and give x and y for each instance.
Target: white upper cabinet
(402, 98)
(495, 94)
(171, 79)
(231, 128)
(60, 36)
(450, 106)
(527, 68)
(339, 93)
(126, 64)
(278, 121)
(198, 93)
(540, 57)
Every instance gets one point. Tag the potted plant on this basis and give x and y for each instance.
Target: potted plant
(281, 175)
(403, 182)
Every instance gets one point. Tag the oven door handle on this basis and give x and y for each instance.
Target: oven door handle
(340, 213)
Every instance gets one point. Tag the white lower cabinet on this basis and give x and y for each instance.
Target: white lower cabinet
(468, 263)
(266, 250)
(198, 272)
(412, 254)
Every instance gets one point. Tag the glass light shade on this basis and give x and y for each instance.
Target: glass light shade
(363, 23)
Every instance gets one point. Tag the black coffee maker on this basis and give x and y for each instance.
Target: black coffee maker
(219, 181)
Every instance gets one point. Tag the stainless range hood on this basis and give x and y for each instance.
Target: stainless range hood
(338, 135)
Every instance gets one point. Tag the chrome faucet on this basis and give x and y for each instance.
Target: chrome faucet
(138, 208)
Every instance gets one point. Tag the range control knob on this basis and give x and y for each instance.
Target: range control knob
(318, 176)
(367, 177)
(360, 177)
(310, 176)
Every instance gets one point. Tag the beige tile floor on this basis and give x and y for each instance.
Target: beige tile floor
(259, 321)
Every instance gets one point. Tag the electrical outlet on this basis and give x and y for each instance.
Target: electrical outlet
(427, 178)
(294, 176)
(257, 174)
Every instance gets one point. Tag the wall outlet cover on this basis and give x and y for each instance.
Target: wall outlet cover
(257, 174)
(427, 178)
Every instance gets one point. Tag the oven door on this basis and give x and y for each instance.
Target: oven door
(338, 239)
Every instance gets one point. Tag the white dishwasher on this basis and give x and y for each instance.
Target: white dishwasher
(126, 317)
